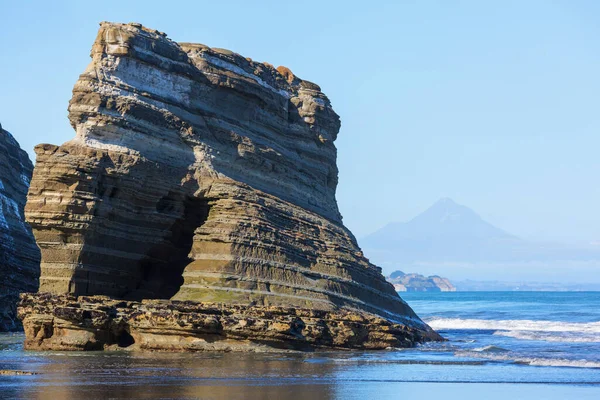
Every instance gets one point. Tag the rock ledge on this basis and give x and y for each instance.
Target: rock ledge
(67, 322)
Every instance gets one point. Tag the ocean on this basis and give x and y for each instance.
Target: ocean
(500, 345)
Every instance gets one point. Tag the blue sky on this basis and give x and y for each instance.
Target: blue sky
(494, 104)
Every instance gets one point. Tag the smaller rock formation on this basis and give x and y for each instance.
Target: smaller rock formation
(66, 322)
(418, 283)
(19, 255)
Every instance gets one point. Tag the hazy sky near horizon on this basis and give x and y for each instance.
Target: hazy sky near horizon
(494, 104)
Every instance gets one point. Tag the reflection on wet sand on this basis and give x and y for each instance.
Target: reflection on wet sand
(180, 376)
(428, 372)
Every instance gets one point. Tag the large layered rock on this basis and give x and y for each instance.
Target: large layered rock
(198, 174)
(19, 255)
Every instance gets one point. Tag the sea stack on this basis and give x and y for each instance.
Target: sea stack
(200, 190)
(19, 255)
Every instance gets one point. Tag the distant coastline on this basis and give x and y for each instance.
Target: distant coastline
(414, 282)
(418, 283)
(506, 286)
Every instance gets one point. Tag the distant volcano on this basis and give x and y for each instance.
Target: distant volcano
(448, 233)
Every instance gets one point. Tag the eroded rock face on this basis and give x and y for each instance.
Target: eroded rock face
(19, 255)
(198, 174)
(66, 322)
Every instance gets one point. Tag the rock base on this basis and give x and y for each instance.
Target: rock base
(66, 322)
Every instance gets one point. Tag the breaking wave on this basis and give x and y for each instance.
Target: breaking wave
(491, 349)
(514, 325)
(533, 361)
(551, 336)
(549, 331)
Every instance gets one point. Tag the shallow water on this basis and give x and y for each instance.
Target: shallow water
(500, 344)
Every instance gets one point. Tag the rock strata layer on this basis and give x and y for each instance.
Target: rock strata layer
(198, 174)
(67, 322)
(19, 255)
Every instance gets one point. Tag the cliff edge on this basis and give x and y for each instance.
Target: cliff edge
(19, 255)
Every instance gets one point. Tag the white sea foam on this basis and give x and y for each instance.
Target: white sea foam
(514, 325)
(533, 361)
(546, 362)
(551, 336)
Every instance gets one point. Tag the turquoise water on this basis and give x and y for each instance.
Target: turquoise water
(502, 344)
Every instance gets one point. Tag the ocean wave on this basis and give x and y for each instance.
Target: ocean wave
(533, 361)
(399, 362)
(546, 362)
(567, 337)
(491, 349)
(514, 325)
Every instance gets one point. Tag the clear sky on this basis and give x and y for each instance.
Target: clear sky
(492, 103)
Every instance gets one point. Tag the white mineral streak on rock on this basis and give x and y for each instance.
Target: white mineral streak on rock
(237, 70)
(4, 223)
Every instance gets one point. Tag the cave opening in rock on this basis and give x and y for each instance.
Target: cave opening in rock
(160, 272)
(125, 339)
